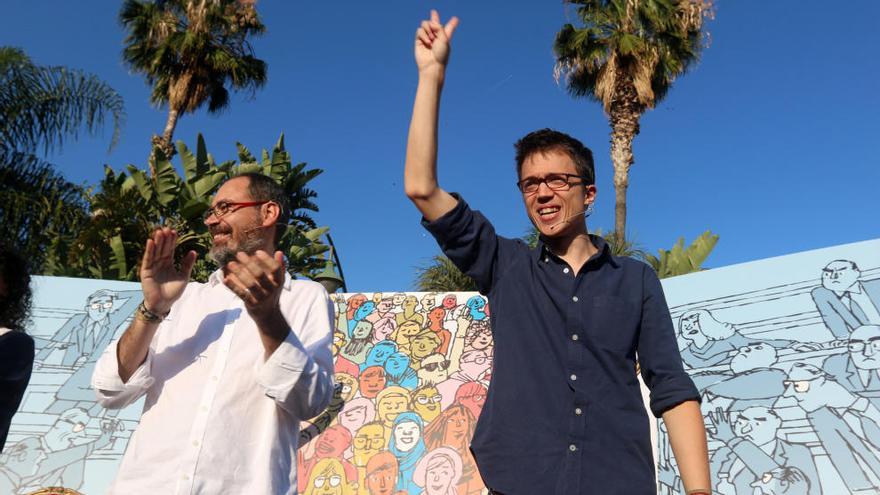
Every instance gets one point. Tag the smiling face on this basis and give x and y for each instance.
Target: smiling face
(381, 474)
(397, 363)
(406, 330)
(426, 403)
(390, 406)
(366, 308)
(436, 316)
(241, 229)
(456, 428)
(369, 441)
(372, 381)
(424, 344)
(434, 369)
(556, 213)
(333, 442)
(384, 306)
(439, 477)
(406, 435)
(449, 302)
(98, 307)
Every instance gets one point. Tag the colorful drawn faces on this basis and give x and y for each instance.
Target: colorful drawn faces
(426, 402)
(384, 305)
(362, 330)
(333, 442)
(381, 474)
(457, 423)
(758, 424)
(369, 440)
(476, 304)
(406, 330)
(479, 335)
(366, 308)
(474, 363)
(472, 395)
(434, 369)
(383, 329)
(338, 341)
(391, 402)
(406, 435)
(438, 471)
(449, 302)
(372, 381)
(785, 480)
(356, 413)
(98, 306)
(428, 301)
(864, 347)
(424, 344)
(396, 364)
(347, 384)
(355, 302)
(840, 275)
(327, 478)
(753, 356)
(435, 316)
(397, 299)
(409, 304)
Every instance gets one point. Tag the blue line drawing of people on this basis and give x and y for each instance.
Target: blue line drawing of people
(751, 380)
(476, 308)
(398, 372)
(784, 481)
(438, 472)
(58, 457)
(753, 447)
(844, 301)
(859, 369)
(828, 406)
(379, 354)
(434, 369)
(408, 446)
(712, 342)
(360, 343)
(85, 335)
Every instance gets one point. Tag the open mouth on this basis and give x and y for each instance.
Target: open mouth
(548, 212)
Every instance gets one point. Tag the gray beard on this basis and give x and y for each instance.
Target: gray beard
(222, 255)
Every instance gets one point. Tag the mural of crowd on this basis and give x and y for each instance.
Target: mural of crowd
(786, 353)
(412, 371)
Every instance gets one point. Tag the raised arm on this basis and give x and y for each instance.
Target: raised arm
(162, 284)
(420, 176)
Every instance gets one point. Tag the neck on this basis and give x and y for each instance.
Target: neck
(575, 249)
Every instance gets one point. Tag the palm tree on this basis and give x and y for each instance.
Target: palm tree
(626, 55)
(441, 275)
(189, 50)
(40, 108)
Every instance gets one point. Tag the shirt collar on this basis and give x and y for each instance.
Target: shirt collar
(602, 255)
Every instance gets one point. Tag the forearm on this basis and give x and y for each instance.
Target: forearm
(131, 351)
(687, 435)
(273, 329)
(420, 172)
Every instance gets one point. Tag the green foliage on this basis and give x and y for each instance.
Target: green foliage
(681, 260)
(129, 205)
(441, 275)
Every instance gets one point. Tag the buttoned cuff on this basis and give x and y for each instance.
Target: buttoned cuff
(279, 374)
(109, 388)
(672, 392)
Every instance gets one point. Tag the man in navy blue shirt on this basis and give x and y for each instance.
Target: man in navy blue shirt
(564, 412)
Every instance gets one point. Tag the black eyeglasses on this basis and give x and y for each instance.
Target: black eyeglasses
(556, 182)
(225, 207)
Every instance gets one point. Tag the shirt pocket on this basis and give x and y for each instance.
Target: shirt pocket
(613, 323)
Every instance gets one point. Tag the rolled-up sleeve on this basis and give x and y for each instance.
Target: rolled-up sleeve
(299, 374)
(659, 358)
(109, 388)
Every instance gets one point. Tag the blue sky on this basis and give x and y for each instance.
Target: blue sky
(770, 141)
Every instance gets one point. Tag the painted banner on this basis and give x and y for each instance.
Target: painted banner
(786, 352)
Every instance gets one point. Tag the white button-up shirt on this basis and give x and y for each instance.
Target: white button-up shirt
(219, 417)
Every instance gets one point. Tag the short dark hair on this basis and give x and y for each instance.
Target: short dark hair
(16, 297)
(264, 188)
(546, 140)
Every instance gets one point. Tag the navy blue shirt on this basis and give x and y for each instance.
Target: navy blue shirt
(564, 413)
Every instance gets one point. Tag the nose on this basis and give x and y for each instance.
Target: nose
(789, 391)
(869, 349)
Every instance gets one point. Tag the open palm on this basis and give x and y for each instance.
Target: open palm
(161, 281)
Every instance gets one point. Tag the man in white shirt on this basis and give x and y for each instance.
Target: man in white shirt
(229, 367)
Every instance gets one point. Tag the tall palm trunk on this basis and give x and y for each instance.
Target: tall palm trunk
(625, 111)
(163, 142)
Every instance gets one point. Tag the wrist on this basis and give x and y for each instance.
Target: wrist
(148, 315)
(434, 74)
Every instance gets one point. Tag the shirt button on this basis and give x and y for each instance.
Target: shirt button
(574, 298)
(578, 411)
(573, 377)
(572, 447)
(546, 260)
(195, 443)
(214, 378)
(186, 476)
(565, 270)
(574, 337)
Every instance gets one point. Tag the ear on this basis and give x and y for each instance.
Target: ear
(271, 213)
(589, 194)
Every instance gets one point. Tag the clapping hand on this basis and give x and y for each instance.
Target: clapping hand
(432, 42)
(161, 281)
(257, 279)
(723, 429)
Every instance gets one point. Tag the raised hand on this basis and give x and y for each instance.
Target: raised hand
(432, 42)
(161, 281)
(723, 429)
(257, 279)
